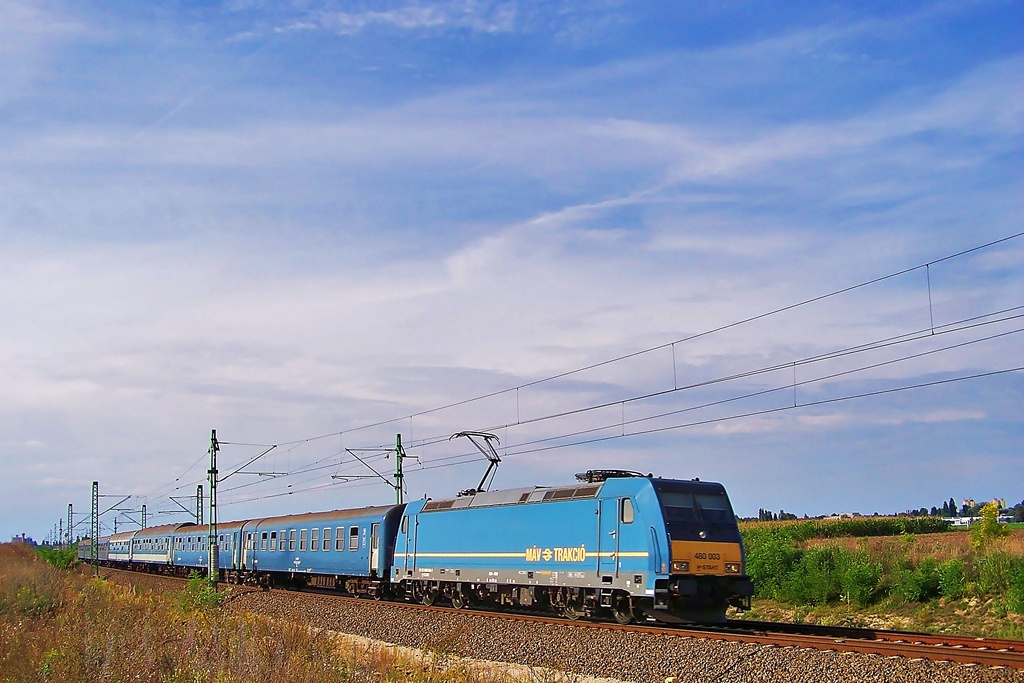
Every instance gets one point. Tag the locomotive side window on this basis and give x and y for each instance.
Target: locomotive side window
(627, 511)
(302, 540)
(353, 538)
(339, 538)
(314, 539)
(405, 525)
(291, 539)
(327, 538)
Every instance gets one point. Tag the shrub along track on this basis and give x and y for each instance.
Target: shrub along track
(740, 651)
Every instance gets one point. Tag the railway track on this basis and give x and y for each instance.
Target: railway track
(988, 652)
(992, 652)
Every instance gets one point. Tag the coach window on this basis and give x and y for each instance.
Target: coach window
(627, 511)
(302, 539)
(327, 538)
(263, 541)
(282, 540)
(314, 539)
(273, 540)
(291, 539)
(353, 538)
(339, 539)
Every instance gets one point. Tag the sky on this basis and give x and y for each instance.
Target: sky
(775, 245)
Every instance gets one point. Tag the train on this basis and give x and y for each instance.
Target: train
(615, 544)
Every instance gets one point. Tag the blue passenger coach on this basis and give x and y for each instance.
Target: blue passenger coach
(345, 549)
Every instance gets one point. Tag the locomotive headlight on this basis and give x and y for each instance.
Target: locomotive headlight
(680, 567)
(732, 567)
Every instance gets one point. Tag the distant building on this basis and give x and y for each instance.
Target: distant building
(27, 540)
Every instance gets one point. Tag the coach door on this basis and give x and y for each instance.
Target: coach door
(247, 551)
(374, 548)
(608, 538)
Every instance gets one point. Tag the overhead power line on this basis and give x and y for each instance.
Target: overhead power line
(331, 460)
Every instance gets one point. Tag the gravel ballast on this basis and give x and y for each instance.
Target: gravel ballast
(582, 651)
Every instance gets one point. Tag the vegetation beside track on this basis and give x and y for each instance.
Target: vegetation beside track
(63, 625)
(963, 582)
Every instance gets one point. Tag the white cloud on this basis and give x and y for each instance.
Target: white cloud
(478, 16)
(935, 416)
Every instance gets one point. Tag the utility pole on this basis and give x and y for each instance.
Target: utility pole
(143, 515)
(399, 477)
(71, 522)
(214, 558)
(199, 504)
(94, 532)
(60, 535)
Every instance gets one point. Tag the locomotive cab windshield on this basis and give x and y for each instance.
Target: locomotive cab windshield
(690, 508)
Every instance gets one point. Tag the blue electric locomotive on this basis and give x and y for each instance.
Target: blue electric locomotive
(629, 546)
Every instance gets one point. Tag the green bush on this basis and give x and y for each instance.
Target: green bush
(816, 578)
(952, 578)
(769, 559)
(1015, 593)
(920, 584)
(860, 581)
(60, 558)
(198, 594)
(996, 572)
(988, 528)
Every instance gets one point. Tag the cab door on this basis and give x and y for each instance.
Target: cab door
(404, 533)
(608, 537)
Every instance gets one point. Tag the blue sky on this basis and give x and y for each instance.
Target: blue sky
(294, 220)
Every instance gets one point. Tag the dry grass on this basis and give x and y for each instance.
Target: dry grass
(64, 626)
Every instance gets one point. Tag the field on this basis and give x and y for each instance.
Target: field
(61, 625)
(947, 581)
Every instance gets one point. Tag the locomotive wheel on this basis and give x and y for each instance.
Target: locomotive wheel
(458, 599)
(573, 610)
(428, 597)
(622, 609)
